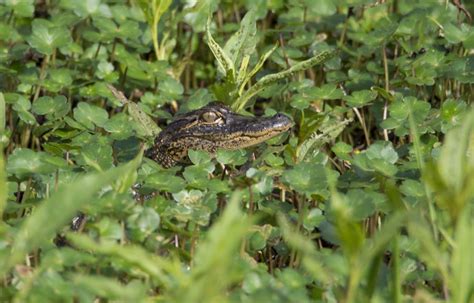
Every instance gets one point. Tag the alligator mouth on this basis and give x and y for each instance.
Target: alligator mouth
(237, 125)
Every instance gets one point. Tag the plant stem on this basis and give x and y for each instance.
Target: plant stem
(396, 281)
(387, 88)
(362, 123)
(42, 75)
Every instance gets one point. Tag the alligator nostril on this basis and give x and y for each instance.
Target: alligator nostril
(280, 116)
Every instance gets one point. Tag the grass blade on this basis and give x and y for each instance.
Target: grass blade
(56, 211)
(462, 262)
(216, 259)
(133, 255)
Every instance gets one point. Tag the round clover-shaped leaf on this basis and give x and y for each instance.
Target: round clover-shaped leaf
(62, 76)
(119, 126)
(104, 69)
(90, 115)
(109, 229)
(97, 153)
(325, 92)
(360, 98)
(22, 106)
(23, 8)
(382, 150)
(164, 181)
(309, 178)
(143, 222)
(24, 162)
(313, 219)
(171, 88)
(53, 108)
(46, 37)
(234, 157)
(273, 160)
(300, 101)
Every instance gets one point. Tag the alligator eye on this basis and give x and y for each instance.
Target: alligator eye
(209, 117)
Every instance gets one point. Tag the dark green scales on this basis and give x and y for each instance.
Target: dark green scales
(211, 127)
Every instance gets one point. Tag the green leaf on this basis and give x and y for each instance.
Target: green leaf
(325, 92)
(452, 111)
(455, 34)
(360, 98)
(133, 256)
(300, 102)
(21, 105)
(54, 108)
(225, 64)
(22, 8)
(234, 157)
(255, 69)
(165, 182)
(171, 88)
(45, 37)
(327, 132)
(119, 126)
(199, 157)
(89, 8)
(145, 220)
(257, 241)
(109, 229)
(360, 203)
(97, 153)
(424, 75)
(309, 178)
(104, 69)
(342, 150)
(61, 76)
(313, 219)
(197, 16)
(268, 80)
(264, 186)
(324, 7)
(191, 207)
(382, 150)
(144, 124)
(24, 162)
(243, 42)
(412, 188)
(273, 160)
(90, 115)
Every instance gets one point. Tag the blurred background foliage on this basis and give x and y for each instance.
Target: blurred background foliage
(368, 198)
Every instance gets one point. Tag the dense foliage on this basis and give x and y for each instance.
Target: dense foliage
(368, 198)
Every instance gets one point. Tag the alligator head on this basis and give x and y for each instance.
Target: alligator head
(211, 127)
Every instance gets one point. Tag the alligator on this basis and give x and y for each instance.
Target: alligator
(211, 127)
